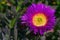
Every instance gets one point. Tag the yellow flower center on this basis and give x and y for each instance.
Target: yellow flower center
(39, 19)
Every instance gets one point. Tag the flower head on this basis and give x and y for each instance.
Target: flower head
(39, 17)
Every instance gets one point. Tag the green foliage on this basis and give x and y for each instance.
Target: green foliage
(19, 7)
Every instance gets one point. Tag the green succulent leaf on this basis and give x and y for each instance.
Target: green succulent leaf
(12, 23)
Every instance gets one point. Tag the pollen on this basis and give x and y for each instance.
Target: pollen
(39, 20)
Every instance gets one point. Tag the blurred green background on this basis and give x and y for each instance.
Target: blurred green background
(10, 27)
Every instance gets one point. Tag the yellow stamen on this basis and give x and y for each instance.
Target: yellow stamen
(39, 19)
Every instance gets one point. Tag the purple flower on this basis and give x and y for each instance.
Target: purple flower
(39, 17)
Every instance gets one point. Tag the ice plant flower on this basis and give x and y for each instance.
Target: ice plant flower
(39, 17)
